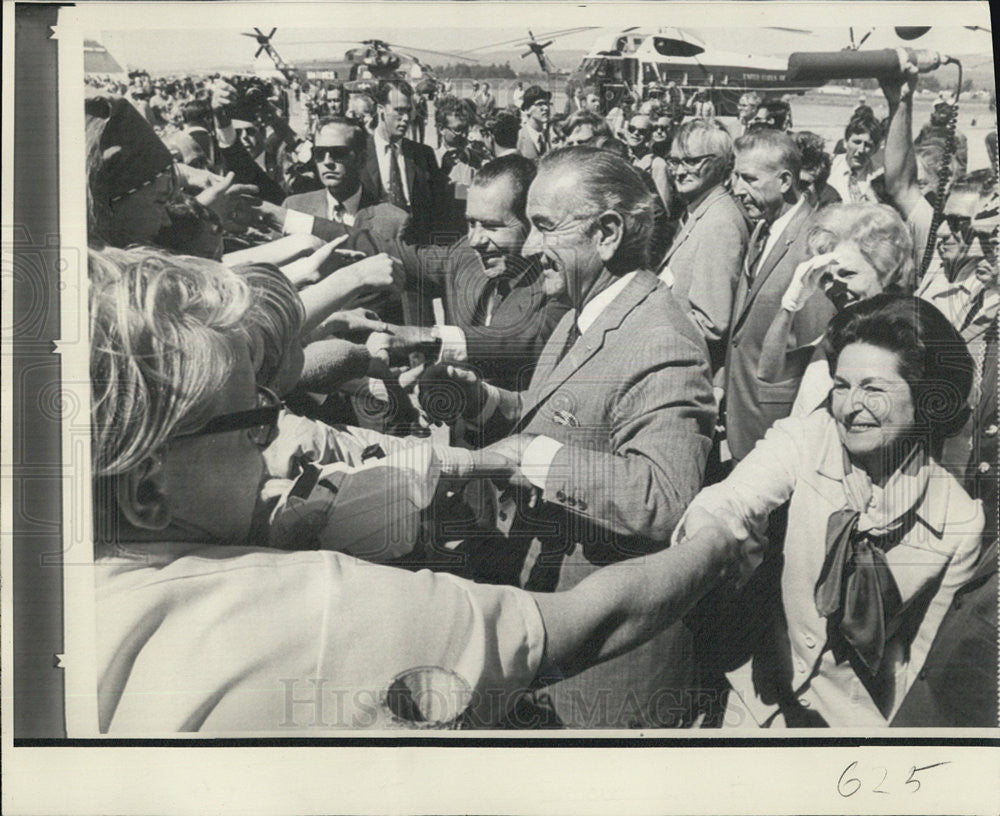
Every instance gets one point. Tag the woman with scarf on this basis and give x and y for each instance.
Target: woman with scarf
(879, 536)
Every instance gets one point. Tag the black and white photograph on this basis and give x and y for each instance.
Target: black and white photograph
(587, 376)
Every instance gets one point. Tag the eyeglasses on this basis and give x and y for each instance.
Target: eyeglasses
(260, 422)
(461, 130)
(639, 131)
(337, 153)
(689, 162)
(664, 127)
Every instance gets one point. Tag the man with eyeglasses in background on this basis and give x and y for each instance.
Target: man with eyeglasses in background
(704, 261)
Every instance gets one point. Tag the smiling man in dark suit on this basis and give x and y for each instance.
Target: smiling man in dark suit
(766, 183)
(497, 316)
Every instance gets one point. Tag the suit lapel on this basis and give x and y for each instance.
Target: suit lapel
(406, 151)
(369, 194)
(371, 178)
(316, 203)
(770, 263)
(550, 375)
(688, 228)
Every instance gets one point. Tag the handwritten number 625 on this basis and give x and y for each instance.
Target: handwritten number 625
(849, 784)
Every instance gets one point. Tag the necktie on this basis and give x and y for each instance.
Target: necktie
(337, 212)
(496, 291)
(858, 596)
(756, 250)
(396, 194)
(571, 338)
(975, 305)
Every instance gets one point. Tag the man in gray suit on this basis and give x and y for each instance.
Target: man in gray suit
(766, 182)
(610, 440)
(339, 151)
(704, 261)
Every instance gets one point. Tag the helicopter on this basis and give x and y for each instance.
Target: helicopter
(376, 59)
(628, 61)
(535, 47)
(265, 47)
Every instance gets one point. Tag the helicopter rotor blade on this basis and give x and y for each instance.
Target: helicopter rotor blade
(430, 51)
(526, 40)
(260, 51)
(791, 30)
(862, 40)
(272, 32)
(851, 30)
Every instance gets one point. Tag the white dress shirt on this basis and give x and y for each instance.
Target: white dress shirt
(777, 228)
(350, 207)
(384, 155)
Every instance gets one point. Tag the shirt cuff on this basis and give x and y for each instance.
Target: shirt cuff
(226, 136)
(537, 459)
(489, 406)
(456, 462)
(453, 349)
(297, 222)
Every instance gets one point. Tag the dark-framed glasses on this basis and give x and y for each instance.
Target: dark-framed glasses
(261, 422)
(635, 131)
(689, 162)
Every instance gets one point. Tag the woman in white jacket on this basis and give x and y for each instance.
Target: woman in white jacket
(879, 535)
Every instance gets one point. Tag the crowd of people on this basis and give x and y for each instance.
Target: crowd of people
(604, 418)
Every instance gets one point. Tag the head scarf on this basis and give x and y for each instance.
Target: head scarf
(133, 156)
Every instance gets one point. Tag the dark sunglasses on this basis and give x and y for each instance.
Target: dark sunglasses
(337, 153)
(261, 422)
(661, 127)
(960, 225)
(639, 131)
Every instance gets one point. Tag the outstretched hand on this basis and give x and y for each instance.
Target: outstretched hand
(228, 200)
(310, 269)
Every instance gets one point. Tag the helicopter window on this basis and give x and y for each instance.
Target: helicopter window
(676, 48)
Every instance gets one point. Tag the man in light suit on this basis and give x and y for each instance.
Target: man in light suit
(705, 259)
(403, 172)
(533, 140)
(610, 439)
(340, 149)
(766, 182)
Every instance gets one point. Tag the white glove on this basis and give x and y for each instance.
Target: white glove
(806, 281)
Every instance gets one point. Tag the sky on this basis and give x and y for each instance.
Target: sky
(148, 35)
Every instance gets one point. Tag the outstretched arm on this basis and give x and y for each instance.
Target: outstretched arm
(623, 605)
(900, 159)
